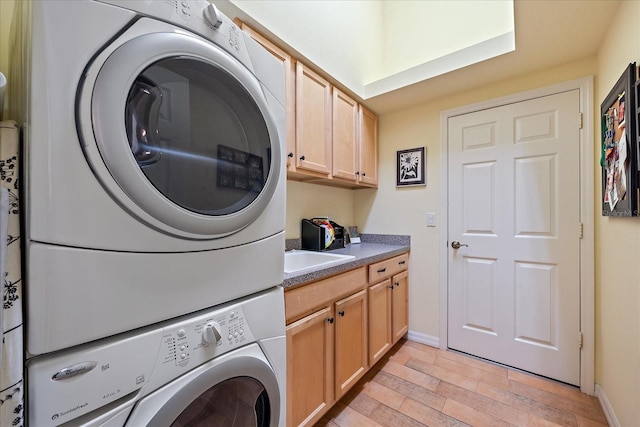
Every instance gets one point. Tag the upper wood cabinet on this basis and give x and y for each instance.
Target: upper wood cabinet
(368, 147)
(289, 86)
(313, 121)
(345, 136)
(331, 138)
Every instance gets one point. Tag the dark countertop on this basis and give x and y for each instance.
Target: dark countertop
(365, 253)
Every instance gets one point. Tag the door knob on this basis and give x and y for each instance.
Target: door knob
(458, 245)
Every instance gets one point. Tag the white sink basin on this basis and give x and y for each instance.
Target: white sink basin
(295, 261)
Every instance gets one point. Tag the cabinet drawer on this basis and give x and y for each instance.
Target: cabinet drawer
(387, 268)
(306, 298)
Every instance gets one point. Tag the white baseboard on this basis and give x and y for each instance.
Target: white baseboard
(423, 339)
(606, 407)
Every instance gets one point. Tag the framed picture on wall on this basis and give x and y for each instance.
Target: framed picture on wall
(619, 158)
(410, 167)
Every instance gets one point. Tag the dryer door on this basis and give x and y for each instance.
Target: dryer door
(238, 389)
(186, 134)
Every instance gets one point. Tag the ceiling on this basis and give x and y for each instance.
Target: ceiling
(548, 33)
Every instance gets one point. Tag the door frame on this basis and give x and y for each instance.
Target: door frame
(587, 286)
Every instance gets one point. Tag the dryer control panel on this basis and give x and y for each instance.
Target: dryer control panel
(198, 16)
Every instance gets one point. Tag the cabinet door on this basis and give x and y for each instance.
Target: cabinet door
(345, 136)
(310, 368)
(368, 147)
(289, 87)
(351, 341)
(313, 122)
(379, 296)
(400, 312)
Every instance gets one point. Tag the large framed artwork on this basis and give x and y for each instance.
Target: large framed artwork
(410, 167)
(619, 159)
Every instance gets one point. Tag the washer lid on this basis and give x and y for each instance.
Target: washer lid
(185, 133)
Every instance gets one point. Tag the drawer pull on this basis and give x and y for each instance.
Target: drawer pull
(341, 313)
(402, 262)
(330, 320)
(382, 270)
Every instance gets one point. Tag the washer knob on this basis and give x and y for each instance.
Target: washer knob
(211, 333)
(212, 16)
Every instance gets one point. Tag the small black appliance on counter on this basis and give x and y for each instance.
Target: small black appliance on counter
(322, 234)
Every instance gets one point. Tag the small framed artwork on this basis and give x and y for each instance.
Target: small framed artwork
(410, 167)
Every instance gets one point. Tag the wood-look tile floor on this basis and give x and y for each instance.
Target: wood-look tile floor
(418, 385)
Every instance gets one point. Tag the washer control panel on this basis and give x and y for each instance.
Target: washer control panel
(192, 342)
(69, 384)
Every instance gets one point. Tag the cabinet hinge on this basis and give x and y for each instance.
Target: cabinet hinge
(581, 230)
(580, 340)
(580, 121)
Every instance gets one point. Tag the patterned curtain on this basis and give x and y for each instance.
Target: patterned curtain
(12, 353)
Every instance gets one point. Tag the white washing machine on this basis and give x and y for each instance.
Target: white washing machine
(223, 367)
(155, 180)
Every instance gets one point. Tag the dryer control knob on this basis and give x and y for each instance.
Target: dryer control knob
(211, 333)
(212, 16)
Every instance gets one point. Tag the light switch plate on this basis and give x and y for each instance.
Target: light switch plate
(431, 219)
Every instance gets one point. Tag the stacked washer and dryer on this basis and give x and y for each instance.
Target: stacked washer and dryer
(155, 205)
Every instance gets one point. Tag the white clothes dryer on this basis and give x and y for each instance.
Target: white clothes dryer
(223, 367)
(154, 161)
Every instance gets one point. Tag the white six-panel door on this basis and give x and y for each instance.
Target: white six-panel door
(514, 199)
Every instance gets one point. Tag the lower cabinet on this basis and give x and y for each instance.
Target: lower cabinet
(379, 320)
(327, 354)
(337, 328)
(309, 368)
(388, 302)
(399, 306)
(351, 341)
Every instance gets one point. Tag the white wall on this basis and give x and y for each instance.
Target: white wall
(416, 32)
(391, 210)
(618, 248)
(373, 47)
(340, 37)
(311, 200)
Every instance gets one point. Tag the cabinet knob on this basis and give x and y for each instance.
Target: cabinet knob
(357, 172)
(330, 320)
(391, 287)
(397, 284)
(301, 157)
(402, 262)
(364, 174)
(341, 313)
(290, 154)
(382, 270)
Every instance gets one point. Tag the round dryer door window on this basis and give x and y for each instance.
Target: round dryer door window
(198, 136)
(187, 134)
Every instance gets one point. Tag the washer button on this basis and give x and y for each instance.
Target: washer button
(241, 331)
(183, 347)
(182, 333)
(183, 356)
